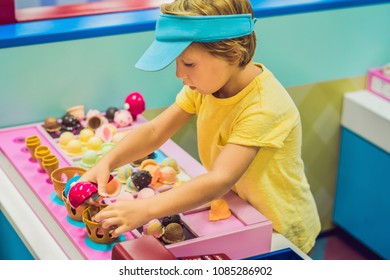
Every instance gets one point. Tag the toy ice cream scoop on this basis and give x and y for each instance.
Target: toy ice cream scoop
(70, 122)
(153, 228)
(141, 179)
(89, 159)
(81, 192)
(171, 219)
(65, 138)
(85, 134)
(168, 175)
(153, 168)
(74, 147)
(170, 162)
(113, 187)
(173, 233)
(124, 173)
(123, 118)
(135, 104)
(145, 193)
(94, 143)
(219, 210)
(105, 132)
(110, 113)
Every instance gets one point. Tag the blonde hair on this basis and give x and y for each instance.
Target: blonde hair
(237, 50)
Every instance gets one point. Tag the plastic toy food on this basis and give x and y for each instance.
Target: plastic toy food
(81, 192)
(135, 104)
(94, 143)
(153, 228)
(110, 113)
(89, 159)
(70, 183)
(50, 163)
(124, 173)
(85, 134)
(147, 162)
(94, 122)
(123, 118)
(77, 112)
(130, 186)
(168, 175)
(94, 230)
(51, 124)
(141, 179)
(173, 233)
(139, 161)
(104, 133)
(70, 122)
(170, 162)
(65, 137)
(62, 175)
(113, 187)
(145, 193)
(171, 219)
(32, 142)
(153, 168)
(219, 210)
(74, 147)
(40, 152)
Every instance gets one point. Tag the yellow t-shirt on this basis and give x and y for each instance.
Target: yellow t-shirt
(263, 115)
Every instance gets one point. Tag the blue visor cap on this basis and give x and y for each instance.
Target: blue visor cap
(175, 33)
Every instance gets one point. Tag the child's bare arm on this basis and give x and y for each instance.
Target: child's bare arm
(138, 143)
(228, 168)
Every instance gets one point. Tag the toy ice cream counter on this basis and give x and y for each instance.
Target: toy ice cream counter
(40, 167)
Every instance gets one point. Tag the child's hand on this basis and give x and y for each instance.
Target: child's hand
(124, 215)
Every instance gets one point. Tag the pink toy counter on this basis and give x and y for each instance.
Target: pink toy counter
(245, 234)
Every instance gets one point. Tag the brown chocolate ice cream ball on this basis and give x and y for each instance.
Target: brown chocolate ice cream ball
(173, 233)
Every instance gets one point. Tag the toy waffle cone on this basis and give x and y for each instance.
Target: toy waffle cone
(32, 142)
(74, 213)
(95, 231)
(60, 176)
(50, 163)
(219, 210)
(40, 152)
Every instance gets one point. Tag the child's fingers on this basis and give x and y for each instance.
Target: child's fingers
(119, 230)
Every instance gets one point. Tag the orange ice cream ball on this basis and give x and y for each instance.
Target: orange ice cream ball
(219, 210)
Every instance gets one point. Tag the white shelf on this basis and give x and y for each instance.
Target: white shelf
(367, 115)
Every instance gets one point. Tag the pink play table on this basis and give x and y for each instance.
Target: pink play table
(246, 233)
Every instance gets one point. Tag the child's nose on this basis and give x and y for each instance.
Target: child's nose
(179, 71)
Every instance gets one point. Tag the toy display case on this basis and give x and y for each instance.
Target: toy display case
(203, 237)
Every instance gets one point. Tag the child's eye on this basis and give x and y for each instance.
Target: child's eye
(189, 64)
